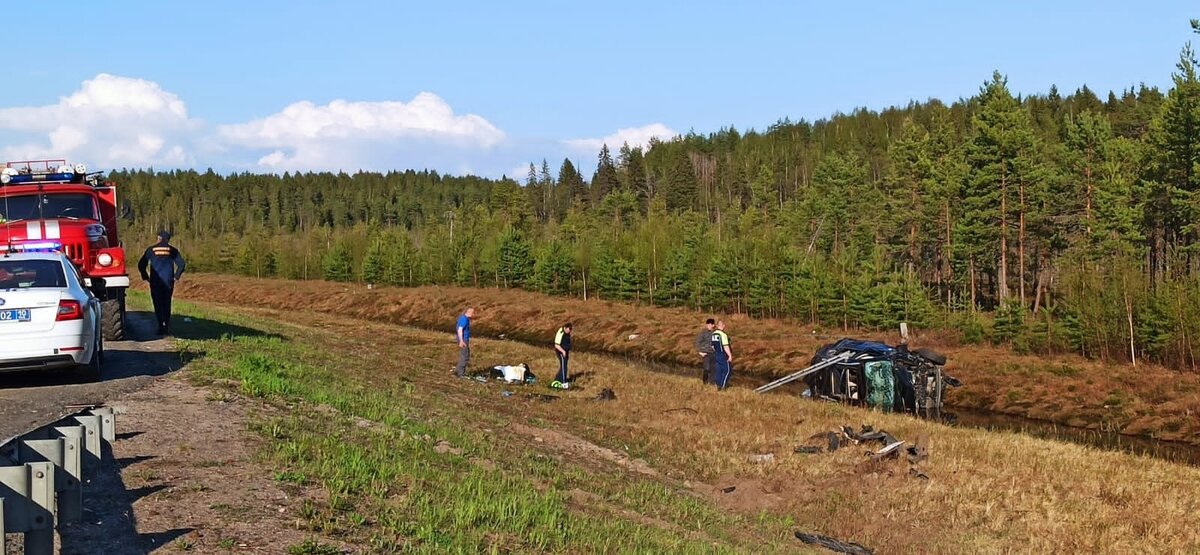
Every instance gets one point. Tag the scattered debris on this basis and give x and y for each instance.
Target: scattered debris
(835, 441)
(728, 489)
(506, 394)
(890, 451)
(891, 448)
(762, 459)
(919, 452)
(831, 544)
(606, 394)
(541, 397)
(633, 336)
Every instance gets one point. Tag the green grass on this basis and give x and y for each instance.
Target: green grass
(388, 489)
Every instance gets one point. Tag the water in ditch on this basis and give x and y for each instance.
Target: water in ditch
(1173, 451)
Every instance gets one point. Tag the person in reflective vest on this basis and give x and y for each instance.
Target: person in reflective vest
(562, 349)
(722, 356)
(165, 266)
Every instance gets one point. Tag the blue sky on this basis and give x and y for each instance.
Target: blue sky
(210, 83)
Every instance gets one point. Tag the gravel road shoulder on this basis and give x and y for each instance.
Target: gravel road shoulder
(183, 477)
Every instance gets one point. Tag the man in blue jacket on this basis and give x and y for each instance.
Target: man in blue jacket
(462, 332)
(165, 268)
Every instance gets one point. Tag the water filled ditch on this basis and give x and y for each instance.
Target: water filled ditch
(1172, 451)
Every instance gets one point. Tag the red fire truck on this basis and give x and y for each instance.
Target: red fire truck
(49, 205)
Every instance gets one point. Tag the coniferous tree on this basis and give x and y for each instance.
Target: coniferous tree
(338, 264)
(1173, 177)
(553, 271)
(606, 179)
(514, 261)
(571, 183)
(374, 263)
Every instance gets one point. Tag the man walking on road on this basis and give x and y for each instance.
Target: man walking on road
(463, 333)
(705, 349)
(165, 268)
(723, 356)
(562, 349)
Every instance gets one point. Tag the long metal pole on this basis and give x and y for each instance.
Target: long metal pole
(802, 373)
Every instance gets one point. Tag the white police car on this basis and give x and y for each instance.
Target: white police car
(47, 318)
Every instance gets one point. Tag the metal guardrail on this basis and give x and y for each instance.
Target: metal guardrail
(41, 476)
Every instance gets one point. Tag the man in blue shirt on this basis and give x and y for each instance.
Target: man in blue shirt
(463, 334)
(165, 268)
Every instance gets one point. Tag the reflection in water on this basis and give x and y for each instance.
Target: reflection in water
(1173, 451)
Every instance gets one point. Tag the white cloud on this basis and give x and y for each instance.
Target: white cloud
(634, 136)
(111, 121)
(370, 135)
(520, 173)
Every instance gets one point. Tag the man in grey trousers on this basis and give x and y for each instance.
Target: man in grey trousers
(463, 333)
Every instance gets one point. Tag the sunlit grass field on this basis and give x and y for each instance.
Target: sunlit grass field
(1147, 400)
(414, 460)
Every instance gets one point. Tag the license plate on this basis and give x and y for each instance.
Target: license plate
(14, 315)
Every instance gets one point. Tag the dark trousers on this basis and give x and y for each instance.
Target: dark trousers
(160, 294)
(706, 368)
(562, 366)
(464, 357)
(721, 371)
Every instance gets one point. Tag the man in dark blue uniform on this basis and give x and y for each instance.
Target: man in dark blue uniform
(722, 356)
(165, 268)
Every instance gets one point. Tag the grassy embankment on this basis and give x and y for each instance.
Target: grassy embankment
(1144, 400)
(369, 403)
(413, 467)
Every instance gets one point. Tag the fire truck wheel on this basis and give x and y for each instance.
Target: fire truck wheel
(112, 322)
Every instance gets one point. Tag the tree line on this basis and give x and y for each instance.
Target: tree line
(1051, 222)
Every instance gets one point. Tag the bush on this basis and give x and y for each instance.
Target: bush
(1009, 324)
(970, 326)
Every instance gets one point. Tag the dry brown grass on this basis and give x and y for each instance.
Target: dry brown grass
(987, 492)
(1146, 400)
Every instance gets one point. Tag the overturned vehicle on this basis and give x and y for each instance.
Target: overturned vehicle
(875, 375)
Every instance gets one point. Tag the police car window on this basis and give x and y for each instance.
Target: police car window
(31, 274)
(74, 278)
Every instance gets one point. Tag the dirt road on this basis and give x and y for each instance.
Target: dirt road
(29, 400)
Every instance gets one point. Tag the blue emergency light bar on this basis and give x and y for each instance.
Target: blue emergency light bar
(39, 177)
(43, 246)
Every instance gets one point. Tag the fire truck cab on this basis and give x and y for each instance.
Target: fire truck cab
(52, 206)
